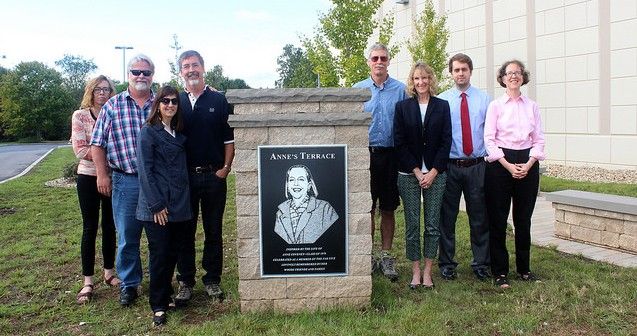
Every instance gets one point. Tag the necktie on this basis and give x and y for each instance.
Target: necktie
(467, 143)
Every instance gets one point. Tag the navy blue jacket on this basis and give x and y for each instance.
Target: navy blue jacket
(163, 174)
(206, 127)
(413, 143)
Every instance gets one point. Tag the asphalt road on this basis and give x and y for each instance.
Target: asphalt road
(14, 159)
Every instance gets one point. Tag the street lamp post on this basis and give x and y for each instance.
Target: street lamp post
(123, 48)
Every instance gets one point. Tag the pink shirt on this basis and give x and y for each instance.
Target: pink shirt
(82, 123)
(513, 123)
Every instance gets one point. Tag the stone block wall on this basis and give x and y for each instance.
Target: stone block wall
(598, 219)
(301, 117)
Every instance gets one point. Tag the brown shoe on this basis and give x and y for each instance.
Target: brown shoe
(85, 297)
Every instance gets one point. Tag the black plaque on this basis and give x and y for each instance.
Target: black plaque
(303, 210)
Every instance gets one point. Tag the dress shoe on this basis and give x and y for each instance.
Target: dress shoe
(127, 296)
(448, 274)
(482, 274)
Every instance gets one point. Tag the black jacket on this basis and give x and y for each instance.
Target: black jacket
(163, 175)
(412, 144)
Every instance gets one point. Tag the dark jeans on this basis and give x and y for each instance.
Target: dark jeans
(501, 191)
(162, 251)
(90, 202)
(470, 182)
(208, 191)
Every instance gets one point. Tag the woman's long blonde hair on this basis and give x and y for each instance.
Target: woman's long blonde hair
(88, 99)
(433, 83)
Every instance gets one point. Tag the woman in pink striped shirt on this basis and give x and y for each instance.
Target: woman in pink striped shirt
(96, 93)
(515, 143)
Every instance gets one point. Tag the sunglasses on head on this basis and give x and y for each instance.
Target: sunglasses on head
(165, 101)
(376, 58)
(146, 73)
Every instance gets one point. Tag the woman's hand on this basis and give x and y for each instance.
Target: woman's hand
(161, 217)
(516, 170)
(427, 179)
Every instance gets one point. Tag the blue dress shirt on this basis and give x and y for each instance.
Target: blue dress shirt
(382, 106)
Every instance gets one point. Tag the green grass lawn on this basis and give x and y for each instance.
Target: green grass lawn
(548, 184)
(40, 231)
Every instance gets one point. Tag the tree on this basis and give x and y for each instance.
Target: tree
(75, 71)
(429, 43)
(216, 79)
(175, 79)
(346, 29)
(35, 103)
(295, 69)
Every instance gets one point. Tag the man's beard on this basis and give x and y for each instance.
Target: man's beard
(193, 82)
(141, 86)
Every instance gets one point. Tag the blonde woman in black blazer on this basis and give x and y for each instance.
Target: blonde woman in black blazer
(422, 137)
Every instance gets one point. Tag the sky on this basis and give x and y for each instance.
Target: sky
(245, 37)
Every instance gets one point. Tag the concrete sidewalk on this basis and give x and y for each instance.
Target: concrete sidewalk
(542, 235)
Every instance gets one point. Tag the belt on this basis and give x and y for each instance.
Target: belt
(202, 169)
(117, 170)
(464, 163)
(374, 149)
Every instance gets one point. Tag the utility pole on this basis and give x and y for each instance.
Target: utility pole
(123, 48)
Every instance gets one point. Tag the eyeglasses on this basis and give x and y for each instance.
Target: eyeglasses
(511, 73)
(376, 58)
(166, 101)
(146, 73)
(102, 90)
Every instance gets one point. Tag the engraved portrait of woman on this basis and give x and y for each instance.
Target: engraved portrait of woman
(302, 218)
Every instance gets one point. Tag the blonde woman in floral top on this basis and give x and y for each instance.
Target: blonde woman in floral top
(96, 93)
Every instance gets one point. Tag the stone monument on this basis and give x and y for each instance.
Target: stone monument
(301, 117)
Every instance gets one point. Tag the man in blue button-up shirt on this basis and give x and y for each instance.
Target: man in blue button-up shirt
(386, 92)
(465, 172)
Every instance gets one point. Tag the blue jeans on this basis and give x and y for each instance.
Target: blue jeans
(209, 191)
(129, 229)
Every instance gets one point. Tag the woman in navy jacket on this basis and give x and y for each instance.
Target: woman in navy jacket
(164, 197)
(422, 137)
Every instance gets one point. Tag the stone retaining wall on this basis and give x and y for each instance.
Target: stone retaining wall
(301, 117)
(594, 218)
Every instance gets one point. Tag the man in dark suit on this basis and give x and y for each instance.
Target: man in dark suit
(465, 171)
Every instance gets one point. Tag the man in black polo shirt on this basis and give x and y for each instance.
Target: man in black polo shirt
(210, 151)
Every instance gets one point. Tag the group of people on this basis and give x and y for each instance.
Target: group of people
(429, 150)
(150, 161)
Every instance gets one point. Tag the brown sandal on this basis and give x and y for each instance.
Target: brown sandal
(85, 297)
(112, 281)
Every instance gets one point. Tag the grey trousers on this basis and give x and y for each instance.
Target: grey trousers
(470, 181)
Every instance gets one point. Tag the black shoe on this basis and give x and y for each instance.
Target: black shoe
(501, 281)
(127, 296)
(482, 274)
(528, 277)
(159, 318)
(448, 273)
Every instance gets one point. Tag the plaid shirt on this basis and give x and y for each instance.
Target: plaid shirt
(117, 128)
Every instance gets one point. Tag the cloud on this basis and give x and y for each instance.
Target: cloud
(253, 15)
